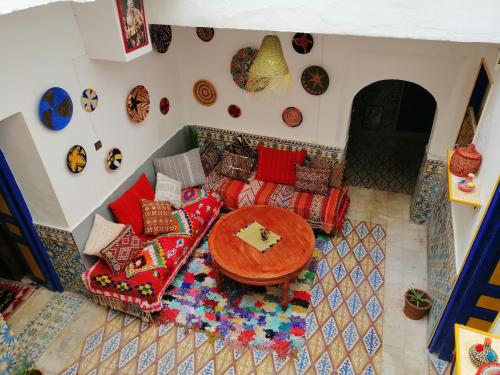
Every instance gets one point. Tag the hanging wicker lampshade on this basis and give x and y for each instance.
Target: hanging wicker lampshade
(269, 67)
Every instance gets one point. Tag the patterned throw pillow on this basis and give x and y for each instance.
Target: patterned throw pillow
(122, 250)
(209, 158)
(157, 217)
(312, 180)
(242, 147)
(168, 189)
(102, 233)
(336, 168)
(185, 168)
(235, 166)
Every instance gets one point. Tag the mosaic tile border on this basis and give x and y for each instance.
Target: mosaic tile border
(223, 136)
(65, 257)
(428, 183)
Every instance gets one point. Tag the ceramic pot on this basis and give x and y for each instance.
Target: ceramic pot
(414, 312)
(465, 160)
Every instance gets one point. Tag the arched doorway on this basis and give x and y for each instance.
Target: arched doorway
(391, 121)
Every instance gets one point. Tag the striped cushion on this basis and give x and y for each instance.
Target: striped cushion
(186, 168)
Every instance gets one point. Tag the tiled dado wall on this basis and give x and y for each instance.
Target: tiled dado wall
(426, 191)
(65, 257)
(441, 270)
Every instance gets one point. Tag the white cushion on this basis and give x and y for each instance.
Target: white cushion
(168, 189)
(102, 233)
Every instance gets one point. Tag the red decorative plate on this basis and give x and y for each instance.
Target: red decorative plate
(164, 106)
(205, 33)
(302, 43)
(204, 92)
(234, 111)
(138, 103)
(315, 80)
(292, 117)
(492, 368)
(240, 64)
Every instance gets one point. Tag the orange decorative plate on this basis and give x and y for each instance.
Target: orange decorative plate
(292, 117)
(138, 103)
(204, 92)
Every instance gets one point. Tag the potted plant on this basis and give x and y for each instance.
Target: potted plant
(417, 303)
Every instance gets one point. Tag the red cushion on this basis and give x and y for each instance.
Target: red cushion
(127, 209)
(122, 251)
(278, 166)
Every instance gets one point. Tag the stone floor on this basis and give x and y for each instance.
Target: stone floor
(404, 340)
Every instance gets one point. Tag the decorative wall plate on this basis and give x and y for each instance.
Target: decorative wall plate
(234, 110)
(315, 80)
(55, 109)
(138, 103)
(76, 159)
(164, 106)
(114, 159)
(204, 92)
(161, 36)
(89, 100)
(292, 117)
(240, 64)
(302, 43)
(205, 33)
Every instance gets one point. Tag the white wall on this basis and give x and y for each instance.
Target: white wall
(457, 20)
(42, 48)
(466, 219)
(446, 70)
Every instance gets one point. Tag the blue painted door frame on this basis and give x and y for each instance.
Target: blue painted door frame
(19, 210)
(472, 282)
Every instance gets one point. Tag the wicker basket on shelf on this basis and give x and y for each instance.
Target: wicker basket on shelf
(465, 160)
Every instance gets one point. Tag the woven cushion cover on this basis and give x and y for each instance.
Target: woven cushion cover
(127, 209)
(209, 158)
(122, 250)
(186, 168)
(102, 233)
(312, 180)
(145, 288)
(168, 189)
(278, 166)
(157, 217)
(336, 170)
(321, 212)
(235, 166)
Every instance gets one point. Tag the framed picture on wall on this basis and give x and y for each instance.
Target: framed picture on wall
(133, 24)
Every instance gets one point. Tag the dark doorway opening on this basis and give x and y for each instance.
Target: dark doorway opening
(391, 121)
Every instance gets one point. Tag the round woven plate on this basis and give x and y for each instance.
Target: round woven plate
(302, 43)
(240, 64)
(89, 100)
(138, 103)
(55, 109)
(204, 92)
(292, 117)
(491, 368)
(161, 36)
(114, 159)
(164, 106)
(234, 111)
(315, 80)
(76, 159)
(205, 33)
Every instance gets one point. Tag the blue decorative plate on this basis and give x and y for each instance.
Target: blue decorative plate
(56, 108)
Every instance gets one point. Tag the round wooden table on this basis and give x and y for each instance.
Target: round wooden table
(279, 264)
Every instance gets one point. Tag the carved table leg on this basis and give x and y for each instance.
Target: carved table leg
(285, 300)
(218, 278)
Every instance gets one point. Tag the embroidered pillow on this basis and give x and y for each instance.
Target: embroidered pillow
(209, 158)
(157, 217)
(102, 233)
(168, 189)
(122, 250)
(336, 169)
(235, 166)
(242, 147)
(127, 208)
(186, 168)
(312, 180)
(278, 166)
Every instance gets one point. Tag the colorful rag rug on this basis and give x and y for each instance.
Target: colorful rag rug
(13, 295)
(343, 329)
(244, 316)
(37, 335)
